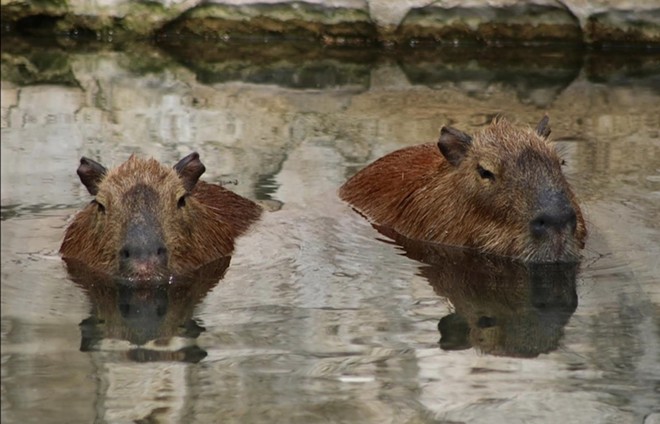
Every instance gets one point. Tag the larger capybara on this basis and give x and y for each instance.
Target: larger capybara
(501, 191)
(148, 220)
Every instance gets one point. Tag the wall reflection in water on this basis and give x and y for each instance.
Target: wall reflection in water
(145, 321)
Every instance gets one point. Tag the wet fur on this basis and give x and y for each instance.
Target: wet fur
(201, 231)
(418, 193)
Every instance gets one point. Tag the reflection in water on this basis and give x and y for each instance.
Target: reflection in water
(502, 307)
(154, 318)
(320, 323)
(535, 78)
(537, 75)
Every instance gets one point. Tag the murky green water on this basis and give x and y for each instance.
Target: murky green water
(318, 319)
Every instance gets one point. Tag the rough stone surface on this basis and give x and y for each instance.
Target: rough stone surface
(347, 21)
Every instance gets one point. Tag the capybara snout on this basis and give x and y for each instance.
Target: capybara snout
(556, 214)
(143, 251)
(501, 191)
(148, 220)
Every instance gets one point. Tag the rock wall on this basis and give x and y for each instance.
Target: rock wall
(347, 21)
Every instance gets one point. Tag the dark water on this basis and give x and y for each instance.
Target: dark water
(318, 318)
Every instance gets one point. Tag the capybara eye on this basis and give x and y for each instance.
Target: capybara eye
(563, 162)
(485, 174)
(99, 206)
(182, 202)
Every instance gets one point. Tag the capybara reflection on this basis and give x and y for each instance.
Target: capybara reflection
(148, 220)
(156, 317)
(504, 309)
(501, 191)
(501, 306)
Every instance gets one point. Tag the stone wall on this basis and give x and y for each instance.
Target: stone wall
(347, 21)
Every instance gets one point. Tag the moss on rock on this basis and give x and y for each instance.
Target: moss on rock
(510, 23)
(294, 20)
(343, 22)
(624, 27)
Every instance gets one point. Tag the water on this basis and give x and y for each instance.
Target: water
(318, 318)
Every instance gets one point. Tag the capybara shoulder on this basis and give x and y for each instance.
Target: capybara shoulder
(148, 220)
(500, 191)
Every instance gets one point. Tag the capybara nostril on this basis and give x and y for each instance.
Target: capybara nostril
(161, 256)
(161, 252)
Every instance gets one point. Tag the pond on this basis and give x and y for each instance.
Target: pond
(318, 318)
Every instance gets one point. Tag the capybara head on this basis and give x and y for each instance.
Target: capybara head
(501, 191)
(148, 220)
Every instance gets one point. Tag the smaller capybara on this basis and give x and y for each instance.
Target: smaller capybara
(148, 220)
(501, 191)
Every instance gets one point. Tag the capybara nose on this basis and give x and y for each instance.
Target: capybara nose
(556, 214)
(132, 253)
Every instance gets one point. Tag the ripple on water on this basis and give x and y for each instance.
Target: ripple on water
(317, 320)
(31, 265)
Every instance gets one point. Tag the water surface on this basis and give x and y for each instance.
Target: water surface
(318, 317)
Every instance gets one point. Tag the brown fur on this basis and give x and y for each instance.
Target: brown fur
(420, 194)
(201, 231)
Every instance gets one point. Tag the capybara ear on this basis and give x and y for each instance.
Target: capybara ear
(190, 169)
(543, 127)
(453, 144)
(91, 173)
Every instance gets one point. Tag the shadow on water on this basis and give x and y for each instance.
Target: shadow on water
(149, 316)
(501, 306)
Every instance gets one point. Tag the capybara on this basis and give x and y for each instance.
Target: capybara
(148, 220)
(501, 191)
